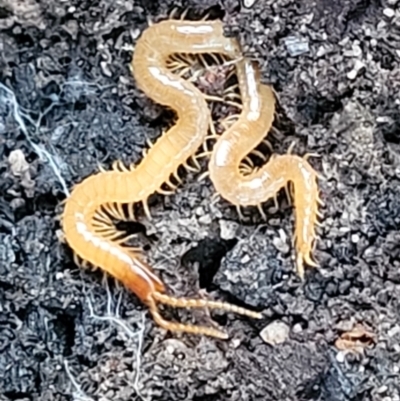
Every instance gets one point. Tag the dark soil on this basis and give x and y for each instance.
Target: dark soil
(68, 102)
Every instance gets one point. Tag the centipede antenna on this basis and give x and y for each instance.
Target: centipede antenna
(191, 303)
(179, 327)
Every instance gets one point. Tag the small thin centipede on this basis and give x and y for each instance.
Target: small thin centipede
(107, 195)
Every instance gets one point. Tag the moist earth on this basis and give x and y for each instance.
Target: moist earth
(68, 103)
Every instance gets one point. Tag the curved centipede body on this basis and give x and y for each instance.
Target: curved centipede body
(258, 186)
(88, 213)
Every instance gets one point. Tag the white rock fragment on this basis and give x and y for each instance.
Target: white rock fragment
(358, 65)
(205, 220)
(18, 164)
(249, 3)
(275, 333)
(296, 46)
(340, 357)
(228, 229)
(388, 12)
(280, 243)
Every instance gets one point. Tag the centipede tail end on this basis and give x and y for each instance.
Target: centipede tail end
(179, 327)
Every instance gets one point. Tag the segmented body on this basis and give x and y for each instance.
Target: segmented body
(94, 202)
(254, 122)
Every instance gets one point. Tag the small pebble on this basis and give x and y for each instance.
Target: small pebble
(389, 12)
(19, 166)
(340, 357)
(275, 333)
(228, 229)
(206, 219)
(296, 46)
(249, 3)
(358, 65)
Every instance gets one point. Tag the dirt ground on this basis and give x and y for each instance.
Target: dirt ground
(68, 102)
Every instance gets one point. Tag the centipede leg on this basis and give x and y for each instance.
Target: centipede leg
(239, 212)
(176, 176)
(131, 211)
(261, 210)
(165, 192)
(146, 209)
(291, 147)
(203, 176)
(289, 193)
(196, 162)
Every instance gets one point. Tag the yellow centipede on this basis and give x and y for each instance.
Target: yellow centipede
(87, 217)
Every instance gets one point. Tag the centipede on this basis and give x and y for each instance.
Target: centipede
(97, 201)
(94, 203)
